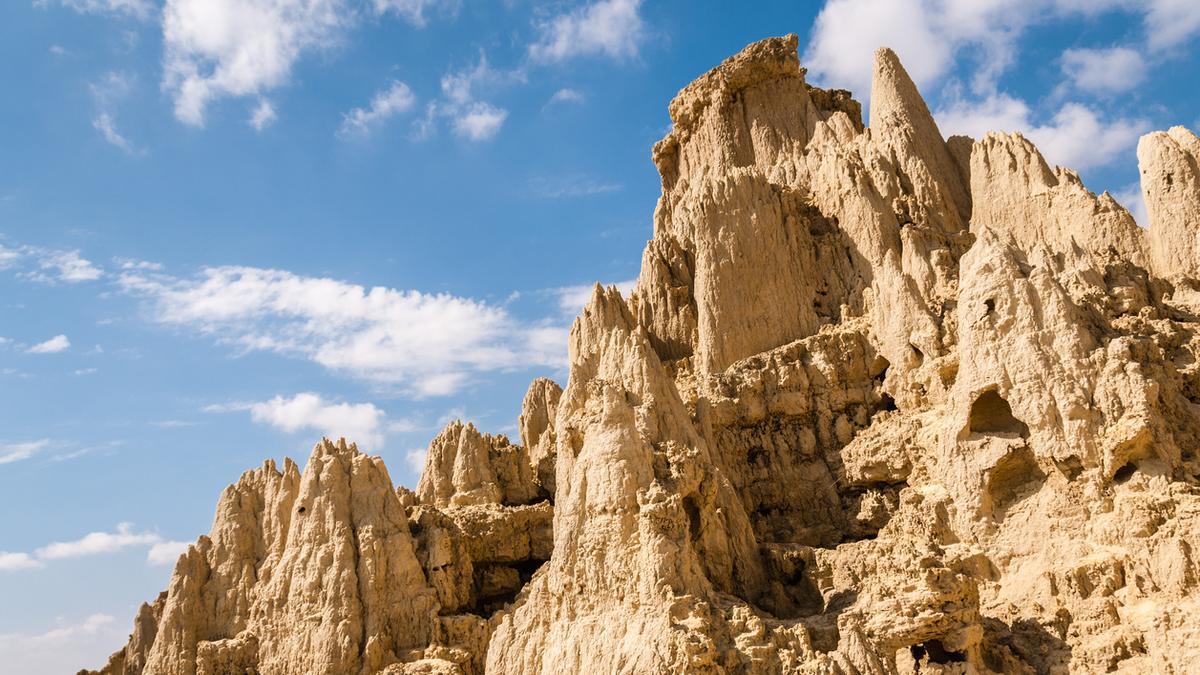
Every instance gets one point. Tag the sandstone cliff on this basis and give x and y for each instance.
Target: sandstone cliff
(881, 402)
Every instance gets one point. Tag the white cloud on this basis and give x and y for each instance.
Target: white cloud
(571, 299)
(86, 371)
(612, 28)
(95, 543)
(1170, 23)
(219, 48)
(415, 459)
(132, 264)
(414, 11)
(358, 422)
(470, 118)
(1104, 70)
(15, 562)
(1075, 137)
(554, 187)
(395, 99)
(480, 121)
(929, 35)
(62, 649)
(566, 95)
(108, 130)
(428, 343)
(15, 452)
(107, 93)
(263, 115)
(166, 552)
(9, 257)
(56, 344)
(69, 267)
(135, 8)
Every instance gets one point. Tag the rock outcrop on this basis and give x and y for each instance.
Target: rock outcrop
(880, 402)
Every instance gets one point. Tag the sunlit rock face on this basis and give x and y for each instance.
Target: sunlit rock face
(881, 402)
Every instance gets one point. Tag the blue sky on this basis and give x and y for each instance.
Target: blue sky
(229, 227)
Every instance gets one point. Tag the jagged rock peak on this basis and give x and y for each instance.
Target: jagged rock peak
(879, 403)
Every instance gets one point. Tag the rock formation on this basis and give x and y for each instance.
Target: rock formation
(881, 402)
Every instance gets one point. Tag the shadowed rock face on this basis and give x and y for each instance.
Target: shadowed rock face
(880, 402)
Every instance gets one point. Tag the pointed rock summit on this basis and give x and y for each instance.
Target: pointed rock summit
(880, 402)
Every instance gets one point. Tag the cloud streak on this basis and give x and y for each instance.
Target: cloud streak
(425, 344)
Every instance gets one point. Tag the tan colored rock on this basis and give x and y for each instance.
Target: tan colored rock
(880, 402)
(1170, 166)
(538, 412)
(464, 467)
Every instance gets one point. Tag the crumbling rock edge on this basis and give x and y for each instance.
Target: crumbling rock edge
(881, 402)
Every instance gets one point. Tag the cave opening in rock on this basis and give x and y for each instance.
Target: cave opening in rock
(991, 414)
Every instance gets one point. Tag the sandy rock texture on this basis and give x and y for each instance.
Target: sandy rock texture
(880, 402)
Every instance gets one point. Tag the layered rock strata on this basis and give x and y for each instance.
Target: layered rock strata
(881, 402)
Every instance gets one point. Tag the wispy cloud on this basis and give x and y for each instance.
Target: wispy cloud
(416, 11)
(107, 93)
(61, 649)
(566, 95)
(396, 98)
(612, 28)
(166, 552)
(137, 8)
(56, 344)
(428, 344)
(554, 187)
(262, 116)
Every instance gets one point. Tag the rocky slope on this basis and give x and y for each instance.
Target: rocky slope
(881, 402)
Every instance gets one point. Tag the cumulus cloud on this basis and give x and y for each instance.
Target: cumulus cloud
(1076, 136)
(56, 344)
(358, 422)
(929, 35)
(428, 344)
(1104, 71)
(395, 99)
(470, 118)
(479, 121)
(1170, 23)
(219, 48)
(69, 267)
(612, 28)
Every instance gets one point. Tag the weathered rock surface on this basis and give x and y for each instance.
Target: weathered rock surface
(881, 402)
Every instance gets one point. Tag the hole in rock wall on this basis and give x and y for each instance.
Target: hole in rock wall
(300, 510)
(1124, 473)
(933, 651)
(991, 414)
(989, 306)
